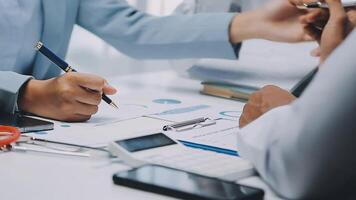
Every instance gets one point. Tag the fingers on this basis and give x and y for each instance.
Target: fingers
(294, 2)
(264, 100)
(249, 114)
(108, 89)
(351, 14)
(84, 109)
(317, 16)
(251, 110)
(75, 111)
(78, 96)
(77, 118)
(86, 96)
(91, 82)
(337, 11)
(307, 38)
(314, 21)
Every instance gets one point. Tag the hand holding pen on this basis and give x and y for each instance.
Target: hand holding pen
(329, 26)
(69, 97)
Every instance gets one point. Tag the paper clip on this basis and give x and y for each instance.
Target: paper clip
(190, 124)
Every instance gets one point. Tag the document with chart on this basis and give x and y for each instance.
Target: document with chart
(149, 113)
(219, 137)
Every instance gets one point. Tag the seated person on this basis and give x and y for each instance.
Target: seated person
(304, 148)
(30, 83)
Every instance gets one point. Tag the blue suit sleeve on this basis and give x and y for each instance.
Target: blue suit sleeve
(10, 85)
(144, 36)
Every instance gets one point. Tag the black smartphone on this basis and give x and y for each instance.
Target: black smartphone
(184, 185)
(25, 124)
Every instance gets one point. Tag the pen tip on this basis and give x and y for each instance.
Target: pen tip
(114, 105)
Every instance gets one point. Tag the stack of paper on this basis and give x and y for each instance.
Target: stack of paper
(260, 63)
(254, 75)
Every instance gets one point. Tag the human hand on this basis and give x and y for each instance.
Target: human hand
(277, 21)
(71, 97)
(329, 27)
(262, 101)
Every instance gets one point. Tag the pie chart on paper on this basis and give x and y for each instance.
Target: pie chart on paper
(232, 114)
(166, 101)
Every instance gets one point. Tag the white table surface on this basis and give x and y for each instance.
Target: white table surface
(40, 176)
(43, 177)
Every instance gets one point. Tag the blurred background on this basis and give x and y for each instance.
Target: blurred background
(91, 54)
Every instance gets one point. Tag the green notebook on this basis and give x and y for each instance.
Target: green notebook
(229, 91)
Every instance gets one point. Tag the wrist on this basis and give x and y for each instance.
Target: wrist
(245, 26)
(30, 95)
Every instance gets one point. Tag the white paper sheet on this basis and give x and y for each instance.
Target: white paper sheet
(111, 124)
(221, 135)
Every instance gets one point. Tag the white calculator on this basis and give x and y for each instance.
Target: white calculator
(162, 150)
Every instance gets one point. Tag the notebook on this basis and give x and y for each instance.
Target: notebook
(229, 91)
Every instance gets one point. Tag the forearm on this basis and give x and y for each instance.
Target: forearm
(144, 36)
(10, 85)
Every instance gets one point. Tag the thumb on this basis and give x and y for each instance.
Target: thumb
(108, 89)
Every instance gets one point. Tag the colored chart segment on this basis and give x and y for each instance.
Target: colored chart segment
(233, 114)
(65, 125)
(183, 110)
(166, 101)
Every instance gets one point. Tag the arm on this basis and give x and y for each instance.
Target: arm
(140, 35)
(307, 148)
(10, 85)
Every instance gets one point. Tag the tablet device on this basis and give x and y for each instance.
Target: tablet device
(24, 123)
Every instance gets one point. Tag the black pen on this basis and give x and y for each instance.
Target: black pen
(300, 87)
(65, 66)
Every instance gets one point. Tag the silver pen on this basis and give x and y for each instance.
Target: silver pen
(64, 153)
(203, 121)
(323, 5)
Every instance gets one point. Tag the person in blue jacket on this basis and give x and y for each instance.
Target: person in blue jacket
(29, 82)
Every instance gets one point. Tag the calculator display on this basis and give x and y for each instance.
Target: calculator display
(146, 142)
